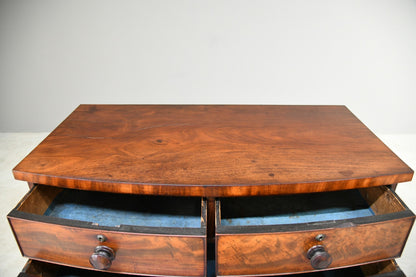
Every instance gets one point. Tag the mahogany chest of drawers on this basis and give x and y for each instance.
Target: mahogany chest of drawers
(192, 190)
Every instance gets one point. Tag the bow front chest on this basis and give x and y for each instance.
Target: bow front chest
(204, 190)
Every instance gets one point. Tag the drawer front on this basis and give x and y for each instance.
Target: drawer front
(296, 248)
(137, 250)
(134, 253)
(245, 254)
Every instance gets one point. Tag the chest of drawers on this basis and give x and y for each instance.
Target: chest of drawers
(158, 190)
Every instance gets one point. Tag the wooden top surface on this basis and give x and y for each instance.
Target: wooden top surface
(212, 151)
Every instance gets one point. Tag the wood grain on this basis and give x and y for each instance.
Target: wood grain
(38, 199)
(135, 253)
(382, 200)
(212, 151)
(284, 252)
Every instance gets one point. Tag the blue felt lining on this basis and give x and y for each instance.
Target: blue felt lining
(294, 209)
(321, 215)
(107, 209)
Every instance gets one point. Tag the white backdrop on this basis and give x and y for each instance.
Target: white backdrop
(56, 54)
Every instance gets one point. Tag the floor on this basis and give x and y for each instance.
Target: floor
(15, 146)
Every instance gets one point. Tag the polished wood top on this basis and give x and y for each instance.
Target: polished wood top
(212, 151)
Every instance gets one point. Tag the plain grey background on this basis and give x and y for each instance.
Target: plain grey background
(57, 54)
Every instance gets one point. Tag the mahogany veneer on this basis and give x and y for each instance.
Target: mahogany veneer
(215, 155)
(281, 248)
(212, 151)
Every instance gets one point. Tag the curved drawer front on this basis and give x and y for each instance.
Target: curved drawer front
(326, 231)
(167, 238)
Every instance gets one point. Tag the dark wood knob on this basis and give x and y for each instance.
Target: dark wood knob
(102, 257)
(320, 259)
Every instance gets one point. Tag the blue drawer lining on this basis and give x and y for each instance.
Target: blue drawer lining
(294, 209)
(108, 209)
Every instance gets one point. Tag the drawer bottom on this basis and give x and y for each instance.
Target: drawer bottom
(381, 269)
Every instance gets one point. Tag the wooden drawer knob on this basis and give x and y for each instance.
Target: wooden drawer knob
(102, 257)
(320, 259)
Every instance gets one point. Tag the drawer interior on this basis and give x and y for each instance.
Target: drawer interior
(307, 208)
(113, 210)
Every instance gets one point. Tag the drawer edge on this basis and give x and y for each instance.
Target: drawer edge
(345, 223)
(369, 270)
(14, 214)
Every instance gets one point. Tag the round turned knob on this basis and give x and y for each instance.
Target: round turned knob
(320, 259)
(102, 257)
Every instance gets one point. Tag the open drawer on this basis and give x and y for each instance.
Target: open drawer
(148, 235)
(308, 232)
(380, 269)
